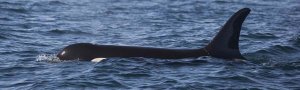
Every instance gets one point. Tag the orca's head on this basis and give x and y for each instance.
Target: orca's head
(79, 51)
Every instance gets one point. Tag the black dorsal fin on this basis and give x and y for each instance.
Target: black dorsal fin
(226, 43)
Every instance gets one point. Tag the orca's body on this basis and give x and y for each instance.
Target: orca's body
(224, 45)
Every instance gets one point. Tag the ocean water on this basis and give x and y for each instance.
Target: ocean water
(33, 31)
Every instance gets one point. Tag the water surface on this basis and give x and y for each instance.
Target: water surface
(29, 29)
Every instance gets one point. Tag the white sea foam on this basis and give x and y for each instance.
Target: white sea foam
(48, 58)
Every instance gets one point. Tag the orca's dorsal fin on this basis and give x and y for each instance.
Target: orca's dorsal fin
(226, 43)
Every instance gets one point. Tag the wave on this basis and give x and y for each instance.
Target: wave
(276, 53)
(3, 37)
(17, 36)
(47, 6)
(5, 19)
(287, 65)
(17, 10)
(296, 41)
(134, 75)
(58, 31)
(186, 63)
(278, 50)
(17, 7)
(261, 36)
(48, 3)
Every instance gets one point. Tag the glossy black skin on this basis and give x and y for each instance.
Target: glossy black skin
(87, 51)
(224, 45)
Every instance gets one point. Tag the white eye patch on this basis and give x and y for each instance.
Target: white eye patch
(63, 52)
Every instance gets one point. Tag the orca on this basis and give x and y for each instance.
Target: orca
(224, 45)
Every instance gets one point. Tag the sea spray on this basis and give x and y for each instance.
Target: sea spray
(48, 58)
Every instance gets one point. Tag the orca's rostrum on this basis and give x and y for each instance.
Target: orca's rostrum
(224, 45)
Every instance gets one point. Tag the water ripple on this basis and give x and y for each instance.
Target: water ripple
(33, 31)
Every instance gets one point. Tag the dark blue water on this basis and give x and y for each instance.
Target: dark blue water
(32, 31)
